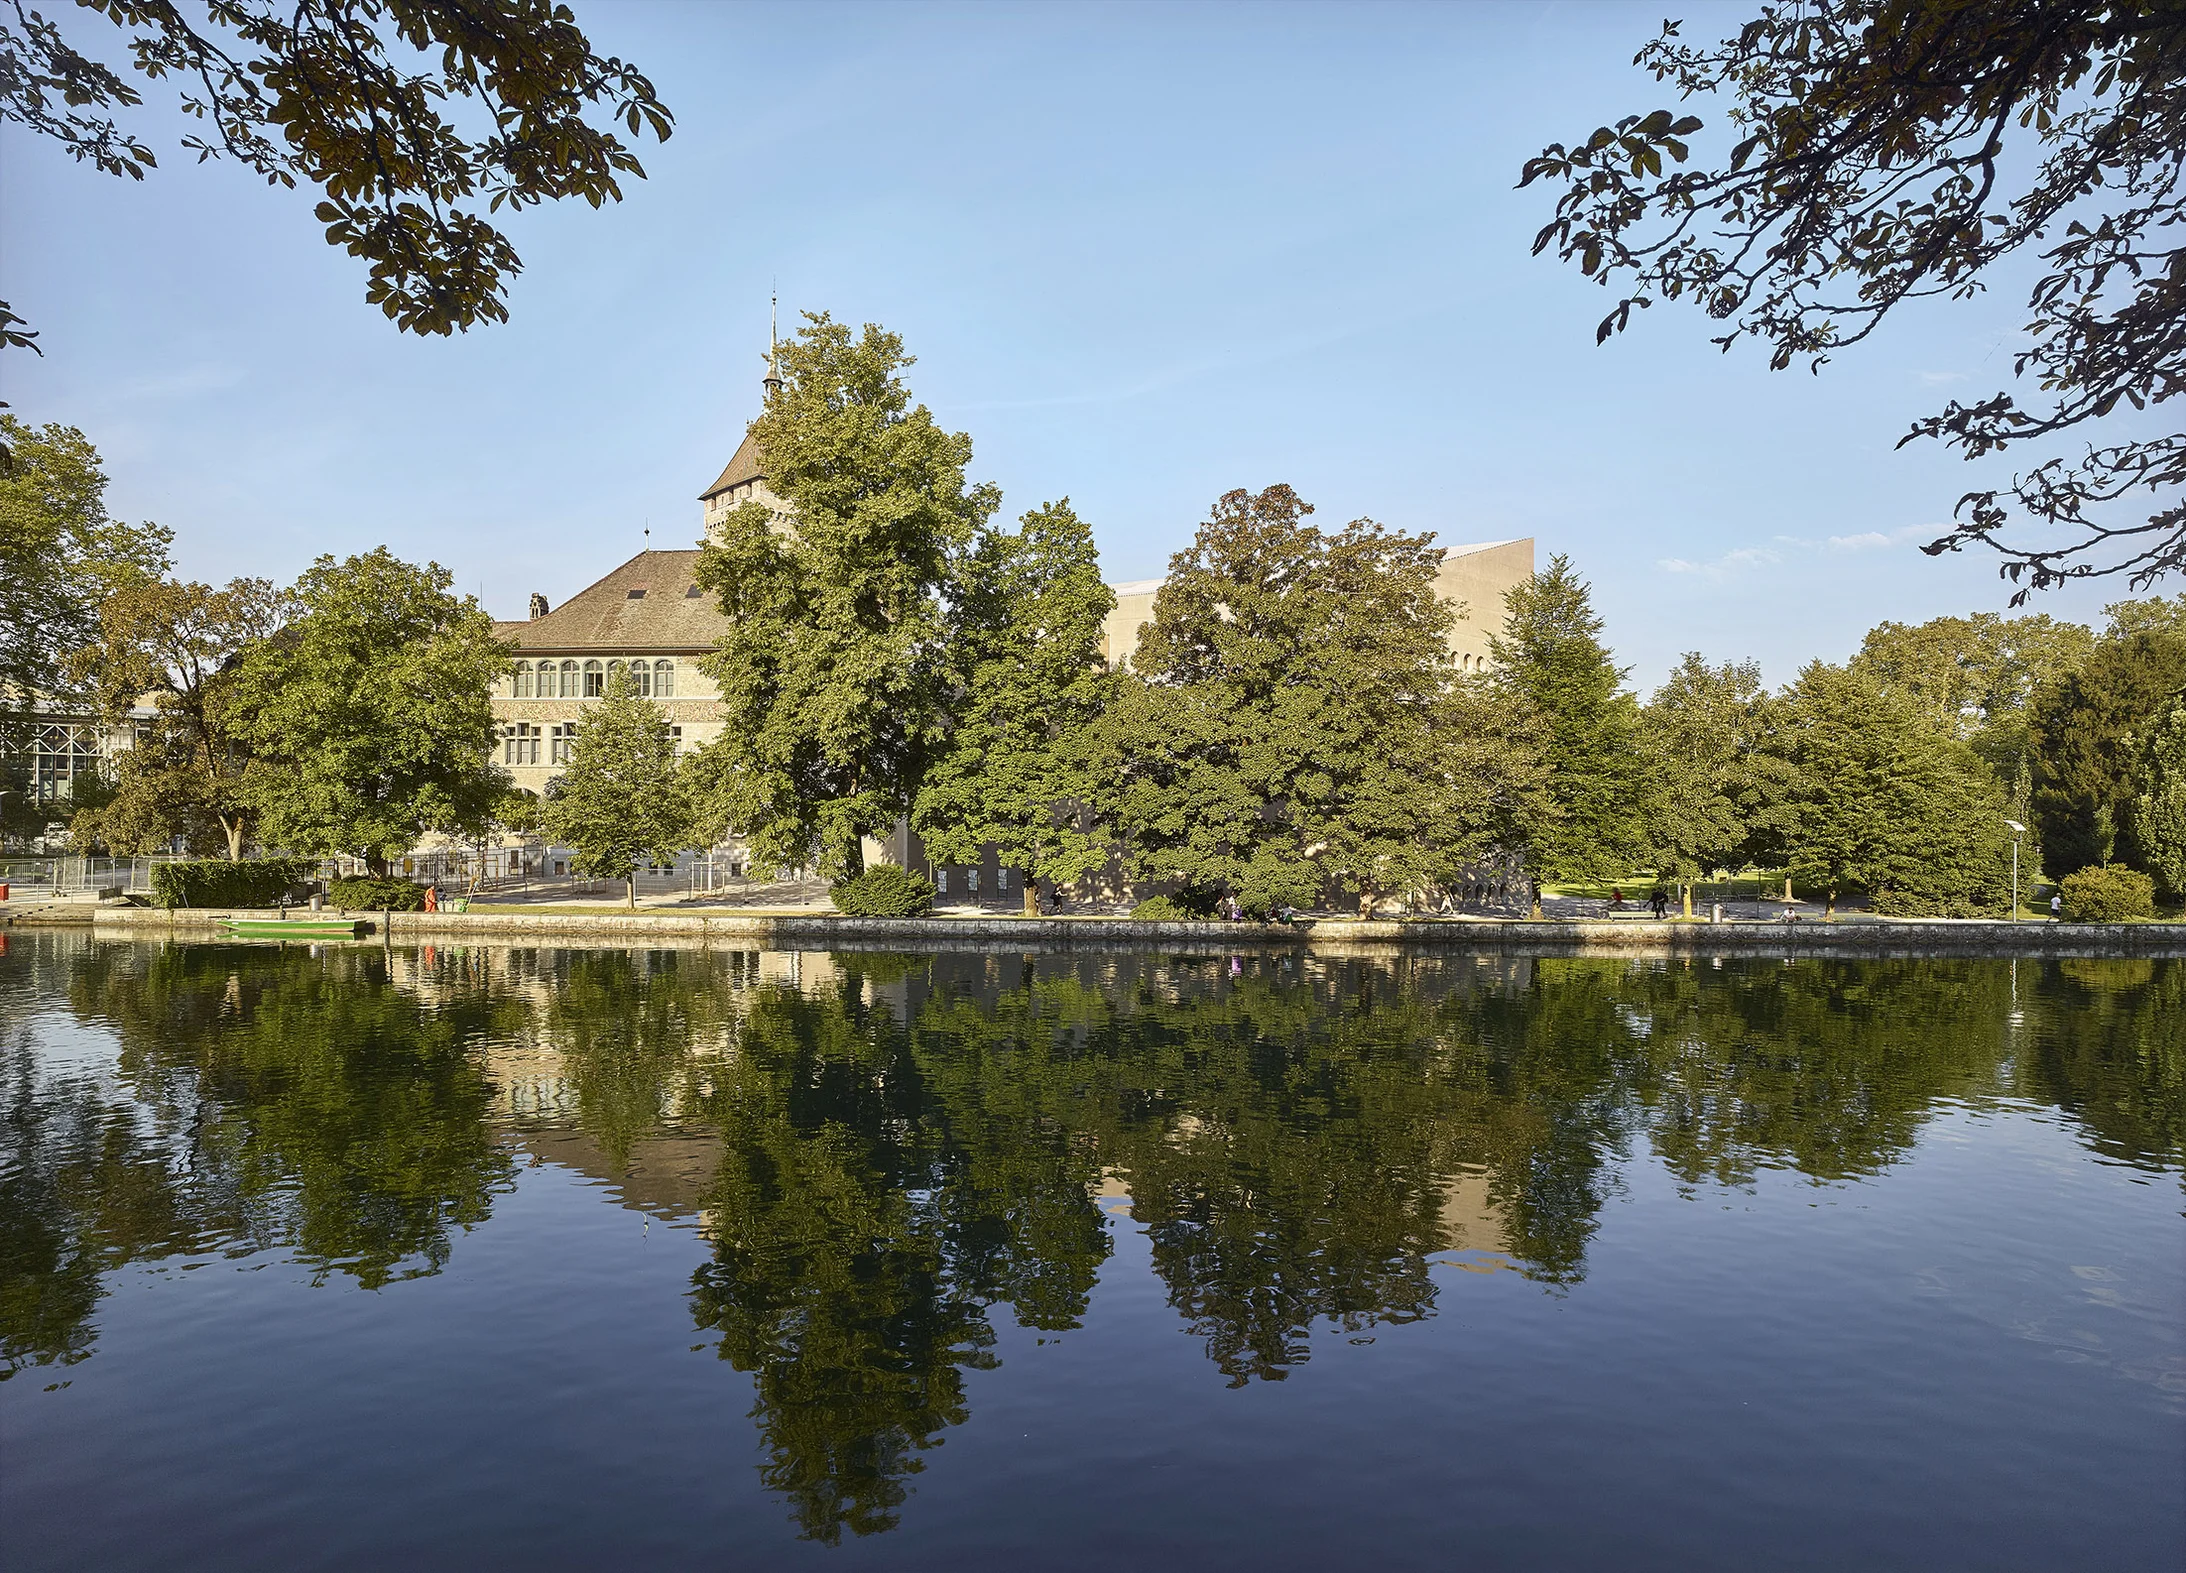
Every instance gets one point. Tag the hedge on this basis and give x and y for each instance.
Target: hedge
(1161, 909)
(2107, 893)
(884, 891)
(215, 882)
(362, 893)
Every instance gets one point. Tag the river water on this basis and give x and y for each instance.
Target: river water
(455, 1258)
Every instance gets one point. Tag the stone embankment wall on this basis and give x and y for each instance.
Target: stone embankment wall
(818, 931)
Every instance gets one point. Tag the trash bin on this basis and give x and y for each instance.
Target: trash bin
(3, 890)
(456, 904)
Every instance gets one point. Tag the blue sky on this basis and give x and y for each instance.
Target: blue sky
(1143, 255)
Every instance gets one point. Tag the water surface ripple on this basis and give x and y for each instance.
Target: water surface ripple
(356, 1258)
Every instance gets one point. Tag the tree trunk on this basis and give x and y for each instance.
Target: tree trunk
(377, 864)
(632, 882)
(1685, 889)
(1787, 890)
(1032, 895)
(233, 830)
(854, 857)
(1829, 906)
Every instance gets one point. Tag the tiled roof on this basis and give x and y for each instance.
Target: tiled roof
(743, 466)
(610, 616)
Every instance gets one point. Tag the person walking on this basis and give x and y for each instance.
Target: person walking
(1659, 899)
(2056, 907)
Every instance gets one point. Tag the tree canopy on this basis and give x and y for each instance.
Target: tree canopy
(373, 711)
(1279, 728)
(1880, 802)
(61, 555)
(193, 769)
(363, 100)
(834, 675)
(1881, 151)
(621, 800)
(1030, 683)
(1551, 666)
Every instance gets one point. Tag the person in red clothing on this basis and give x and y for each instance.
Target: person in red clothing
(432, 898)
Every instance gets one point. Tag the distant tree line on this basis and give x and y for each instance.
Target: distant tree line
(1290, 730)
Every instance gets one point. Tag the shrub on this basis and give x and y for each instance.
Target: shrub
(362, 893)
(2109, 893)
(215, 882)
(1914, 904)
(1164, 909)
(884, 891)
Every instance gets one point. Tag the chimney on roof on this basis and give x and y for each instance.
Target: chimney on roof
(538, 606)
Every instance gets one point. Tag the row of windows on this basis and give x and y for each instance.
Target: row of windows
(971, 879)
(520, 742)
(656, 680)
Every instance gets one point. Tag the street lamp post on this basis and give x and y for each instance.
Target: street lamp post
(2017, 830)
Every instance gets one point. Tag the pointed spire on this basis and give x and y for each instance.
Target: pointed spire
(773, 379)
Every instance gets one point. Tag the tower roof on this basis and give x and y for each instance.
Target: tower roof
(744, 465)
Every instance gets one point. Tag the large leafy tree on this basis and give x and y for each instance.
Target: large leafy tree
(371, 711)
(1700, 737)
(1279, 728)
(1881, 151)
(1551, 663)
(1030, 684)
(61, 555)
(2087, 727)
(1974, 678)
(194, 766)
(834, 674)
(1882, 803)
(2159, 807)
(623, 801)
(412, 118)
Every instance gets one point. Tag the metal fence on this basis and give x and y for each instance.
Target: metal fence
(58, 877)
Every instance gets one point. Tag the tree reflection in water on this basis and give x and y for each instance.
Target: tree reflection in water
(907, 1146)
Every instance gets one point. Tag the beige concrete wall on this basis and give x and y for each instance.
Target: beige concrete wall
(1134, 610)
(1476, 577)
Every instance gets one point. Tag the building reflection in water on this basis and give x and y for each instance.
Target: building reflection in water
(886, 1154)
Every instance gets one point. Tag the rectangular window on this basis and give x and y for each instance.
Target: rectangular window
(1002, 880)
(558, 745)
(971, 881)
(941, 881)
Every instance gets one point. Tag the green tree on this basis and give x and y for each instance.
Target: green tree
(1278, 730)
(1700, 737)
(193, 767)
(61, 555)
(2087, 726)
(1881, 803)
(1975, 678)
(834, 672)
(1889, 150)
(623, 800)
(1031, 682)
(353, 97)
(1551, 665)
(372, 711)
(2159, 807)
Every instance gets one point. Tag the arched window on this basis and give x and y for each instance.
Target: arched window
(641, 679)
(523, 679)
(613, 668)
(664, 679)
(569, 680)
(595, 680)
